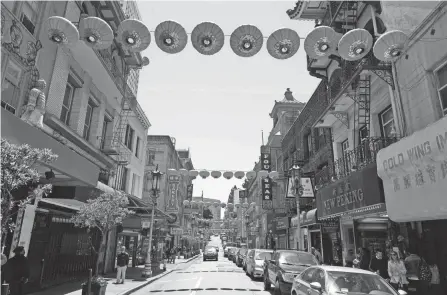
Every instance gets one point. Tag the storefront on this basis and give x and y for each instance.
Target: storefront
(414, 174)
(292, 232)
(354, 212)
(281, 226)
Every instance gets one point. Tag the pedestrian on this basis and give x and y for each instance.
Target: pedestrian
(365, 258)
(317, 254)
(17, 271)
(397, 272)
(435, 283)
(379, 264)
(349, 258)
(122, 260)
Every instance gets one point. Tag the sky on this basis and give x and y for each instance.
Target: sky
(217, 105)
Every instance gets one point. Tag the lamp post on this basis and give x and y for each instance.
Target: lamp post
(295, 174)
(156, 176)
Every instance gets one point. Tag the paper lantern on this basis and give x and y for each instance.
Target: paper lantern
(193, 173)
(228, 174)
(245, 205)
(133, 35)
(201, 203)
(250, 175)
(237, 205)
(239, 174)
(230, 206)
(223, 205)
(61, 31)
(355, 44)
(246, 41)
(263, 173)
(183, 172)
(283, 43)
(186, 203)
(216, 204)
(207, 38)
(145, 61)
(253, 204)
(204, 174)
(173, 172)
(274, 174)
(321, 42)
(170, 37)
(216, 174)
(96, 33)
(390, 45)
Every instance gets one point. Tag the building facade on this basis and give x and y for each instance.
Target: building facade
(369, 106)
(100, 146)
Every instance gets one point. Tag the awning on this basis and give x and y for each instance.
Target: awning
(414, 175)
(68, 162)
(64, 203)
(310, 218)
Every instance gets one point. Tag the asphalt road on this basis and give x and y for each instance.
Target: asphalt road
(200, 277)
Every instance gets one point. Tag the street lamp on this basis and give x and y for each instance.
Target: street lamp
(156, 176)
(295, 174)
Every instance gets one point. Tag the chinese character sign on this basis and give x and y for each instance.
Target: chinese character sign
(189, 191)
(173, 187)
(266, 158)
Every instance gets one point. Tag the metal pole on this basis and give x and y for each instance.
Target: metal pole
(147, 272)
(298, 225)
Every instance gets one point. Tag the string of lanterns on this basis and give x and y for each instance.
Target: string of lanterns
(204, 174)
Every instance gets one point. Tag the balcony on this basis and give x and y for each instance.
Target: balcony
(353, 160)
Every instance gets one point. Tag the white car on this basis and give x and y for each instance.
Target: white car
(336, 280)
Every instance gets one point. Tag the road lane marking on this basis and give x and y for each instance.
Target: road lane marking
(197, 286)
(177, 280)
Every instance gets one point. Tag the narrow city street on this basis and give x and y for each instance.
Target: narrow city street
(206, 277)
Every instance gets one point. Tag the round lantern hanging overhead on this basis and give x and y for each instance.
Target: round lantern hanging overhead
(239, 174)
(389, 46)
(173, 172)
(170, 37)
(183, 172)
(186, 203)
(216, 204)
(245, 205)
(321, 42)
(95, 32)
(61, 31)
(274, 174)
(145, 61)
(133, 35)
(207, 38)
(228, 174)
(246, 41)
(216, 174)
(237, 205)
(222, 205)
(230, 206)
(253, 204)
(201, 203)
(263, 173)
(283, 43)
(250, 175)
(193, 173)
(204, 174)
(355, 44)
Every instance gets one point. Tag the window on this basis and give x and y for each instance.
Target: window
(441, 75)
(29, 15)
(137, 147)
(128, 140)
(67, 103)
(10, 90)
(387, 122)
(88, 120)
(309, 144)
(150, 157)
(105, 125)
(124, 179)
(345, 147)
(134, 181)
(363, 133)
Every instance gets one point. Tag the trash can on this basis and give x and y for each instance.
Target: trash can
(96, 289)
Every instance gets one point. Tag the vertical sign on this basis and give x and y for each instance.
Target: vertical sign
(267, 193)
(189, 190)
(173, 186)
(266, 158)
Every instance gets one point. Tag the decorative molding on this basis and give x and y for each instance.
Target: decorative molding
(342, 117)
(385, 75)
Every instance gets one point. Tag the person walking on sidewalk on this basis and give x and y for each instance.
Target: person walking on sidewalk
(17, 272)
(122, 260)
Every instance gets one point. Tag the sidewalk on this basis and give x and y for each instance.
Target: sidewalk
(134, 281)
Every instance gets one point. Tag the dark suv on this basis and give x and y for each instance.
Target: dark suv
(210, 253)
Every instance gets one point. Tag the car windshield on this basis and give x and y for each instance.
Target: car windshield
(360, 283)
(263, 256)
(294, 258)
(242, 251)
(210, 249)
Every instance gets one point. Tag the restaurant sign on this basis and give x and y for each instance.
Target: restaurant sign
(414, 174)
(266, 158)
(282, 223)
(360, 189)
(267, 193)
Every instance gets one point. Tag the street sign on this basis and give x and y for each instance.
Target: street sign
(176, 231)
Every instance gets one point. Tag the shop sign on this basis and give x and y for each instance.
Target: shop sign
(189, 190)
(309, 217)
(282, 223)
(267, 193)
(266, 158)
(358, 190)
(172, 206)
(414, 175)
(176, 231)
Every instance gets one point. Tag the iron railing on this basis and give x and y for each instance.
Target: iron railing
(354, 160)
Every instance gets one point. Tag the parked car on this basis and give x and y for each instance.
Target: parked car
(210, 253)
(225, 251)
(231, 253)
(334, 280)
(284, 266)
(241, 257)
(255, 262)
(234, 257)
